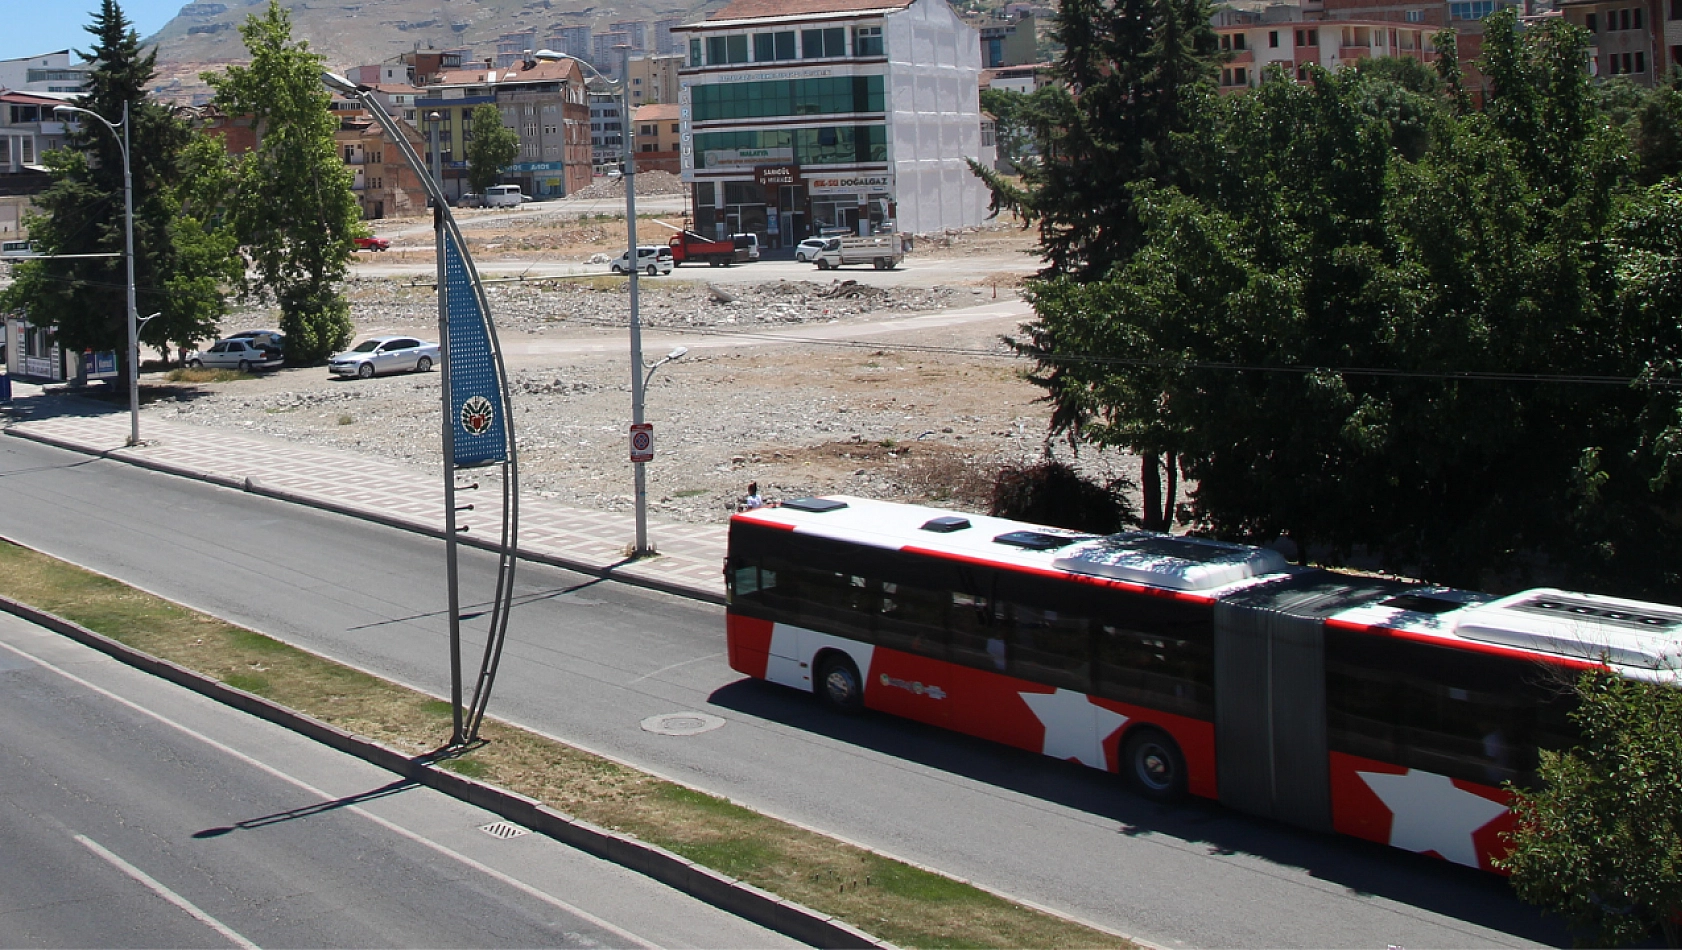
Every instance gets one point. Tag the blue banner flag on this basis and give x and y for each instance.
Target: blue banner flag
(475, 392)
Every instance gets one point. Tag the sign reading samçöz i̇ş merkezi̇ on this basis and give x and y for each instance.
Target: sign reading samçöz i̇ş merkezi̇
(475, 391)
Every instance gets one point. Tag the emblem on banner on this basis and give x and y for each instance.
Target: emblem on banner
(477, 414)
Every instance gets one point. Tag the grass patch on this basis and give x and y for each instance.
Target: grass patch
(187, 374)
(894, 901)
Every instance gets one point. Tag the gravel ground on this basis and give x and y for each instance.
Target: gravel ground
(873, 419)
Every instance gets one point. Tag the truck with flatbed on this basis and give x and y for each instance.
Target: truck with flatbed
(691, 248)
(882, 251)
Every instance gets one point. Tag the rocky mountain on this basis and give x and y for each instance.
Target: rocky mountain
(357, 32)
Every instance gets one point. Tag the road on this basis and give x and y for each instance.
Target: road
(587, 661)
(134, 813)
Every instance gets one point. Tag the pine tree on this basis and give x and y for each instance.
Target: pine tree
(82, 213)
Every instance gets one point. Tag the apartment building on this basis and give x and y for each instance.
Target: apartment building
(28, 129)
(659, 131)
(654, 79)
(607, 129)
(606, 52)
(807, 115)
(1297, 44)
(573, 41)
(45, 72)
(512, 48)
(384, 184)
(1640, 40)
(665, 44)
(636, 34)
(544, 103)
(1009, 41)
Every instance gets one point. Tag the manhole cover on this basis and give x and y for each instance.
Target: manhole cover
(681, 724)
(502, 829)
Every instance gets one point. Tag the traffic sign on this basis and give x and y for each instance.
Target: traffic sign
(642, 442)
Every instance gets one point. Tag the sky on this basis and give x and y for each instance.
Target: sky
(45, 26)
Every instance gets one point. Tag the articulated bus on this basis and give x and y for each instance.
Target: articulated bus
(1371, 707)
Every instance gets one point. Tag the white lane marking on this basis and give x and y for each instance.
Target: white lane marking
(157, 887)
(667, 669)
(518, 885)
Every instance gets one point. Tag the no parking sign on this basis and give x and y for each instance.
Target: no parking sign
(642, 442)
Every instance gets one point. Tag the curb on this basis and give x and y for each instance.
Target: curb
(728, 894)
(253, 486)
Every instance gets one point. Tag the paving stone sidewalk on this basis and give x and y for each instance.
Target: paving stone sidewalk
(690, 562)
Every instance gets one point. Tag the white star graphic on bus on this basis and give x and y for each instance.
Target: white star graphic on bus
(1074, 727)
(1429, 813)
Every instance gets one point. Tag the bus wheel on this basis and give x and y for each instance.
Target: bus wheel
(839, 683)
(1152, 764)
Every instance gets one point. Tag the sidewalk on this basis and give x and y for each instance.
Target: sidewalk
(690, 562)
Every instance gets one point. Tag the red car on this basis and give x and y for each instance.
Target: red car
(372, 244)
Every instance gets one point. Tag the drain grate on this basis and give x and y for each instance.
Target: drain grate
(681, 724)
(503, 830)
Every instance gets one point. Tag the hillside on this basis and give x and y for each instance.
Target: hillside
(356, 32)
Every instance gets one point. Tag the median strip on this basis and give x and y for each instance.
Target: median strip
(739, 857)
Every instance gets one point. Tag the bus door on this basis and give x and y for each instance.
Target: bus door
(1270, 714)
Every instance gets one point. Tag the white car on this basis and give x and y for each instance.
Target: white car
(652, 259)
(242, 354)
(807, 251)
(385, 354)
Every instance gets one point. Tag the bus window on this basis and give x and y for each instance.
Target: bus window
(976, 639)
(1049, 647)
(1156, 653)
(913, 619)
(1464, 715)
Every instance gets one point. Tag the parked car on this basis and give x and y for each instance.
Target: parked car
(242, 354)
(385, 354)
(471, 199)
(748, 243)
(652, 259)
(372, 244)
(807, 251)
(272, 341)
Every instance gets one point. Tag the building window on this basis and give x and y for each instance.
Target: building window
(676, 128)
(1676, 9)
(727, 49)
(788, 97)
(1273, 36)
(1308, 37)
(1473, 10)
(695, 52)
(821, 44)
(1416, 16)
(867, 41)
(1636, 16)
(1590, 23)
(1238, 41)
(1640, 61)
(768, 47)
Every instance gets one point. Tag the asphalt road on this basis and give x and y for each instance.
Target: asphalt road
(588, 661)
(137, 814)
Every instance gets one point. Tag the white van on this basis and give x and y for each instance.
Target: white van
(503, 196)
(16, 249)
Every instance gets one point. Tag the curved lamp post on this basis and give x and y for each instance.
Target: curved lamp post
(638, 381)
(122, 138)
(478, 425)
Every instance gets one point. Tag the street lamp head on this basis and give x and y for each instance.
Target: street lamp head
(340, 84)
(678, 353)
(434, 116)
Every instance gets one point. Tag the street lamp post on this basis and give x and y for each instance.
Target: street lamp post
(628, 176)
(128, 253)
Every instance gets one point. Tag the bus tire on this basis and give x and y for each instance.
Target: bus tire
(839, 684)
(1153, 766)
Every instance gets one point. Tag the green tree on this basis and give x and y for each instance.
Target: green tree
(492, 148)
(293, 209)
(82, 213)
(1600, 841)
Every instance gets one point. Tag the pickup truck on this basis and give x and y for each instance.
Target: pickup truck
(882, 251)
(689, 247)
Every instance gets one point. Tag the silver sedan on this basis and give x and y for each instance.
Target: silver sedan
(385, 354)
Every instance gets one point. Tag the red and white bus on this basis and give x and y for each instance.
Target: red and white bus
(1385, 710)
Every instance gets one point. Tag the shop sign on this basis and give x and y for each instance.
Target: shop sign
(777, 175)
(850, 185)
(746, 157)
